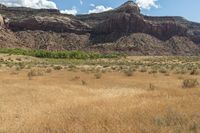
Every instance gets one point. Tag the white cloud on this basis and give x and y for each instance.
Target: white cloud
(30, 3)
(81, 2)
(147, 4)
(92, 5)
(72, 11)
(38, 4)
(99, 9)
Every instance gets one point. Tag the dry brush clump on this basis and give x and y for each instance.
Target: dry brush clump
(190, 83)
(48, 70)
(129, 72)
(98, 75)
(152, 87)
(176, 119)
(83, 82)
(153, 71)
(163, 70)
(35, 72)
(143, 70)
(57, 67)
(194, 72)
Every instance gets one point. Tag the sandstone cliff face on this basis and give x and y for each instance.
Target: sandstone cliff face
(7, 38)
(131, 23)
(123, 29)
(144, 44)
(182, 46)
(50, 23)
(1, 21)
(52, 40)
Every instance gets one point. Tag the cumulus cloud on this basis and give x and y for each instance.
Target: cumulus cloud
(147, 4)
(100, 8)
(72, 11)
(37, 4)
(30, 3)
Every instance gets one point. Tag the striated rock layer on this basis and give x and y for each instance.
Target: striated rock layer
(1, 21)
(123, 29)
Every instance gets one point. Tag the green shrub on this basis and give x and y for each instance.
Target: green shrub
(59, 54)
(22, 65)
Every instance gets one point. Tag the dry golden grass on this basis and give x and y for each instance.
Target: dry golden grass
(59, 102)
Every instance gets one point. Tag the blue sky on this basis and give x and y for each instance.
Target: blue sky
(190, 9)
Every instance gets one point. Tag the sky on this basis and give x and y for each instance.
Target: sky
(189, 9)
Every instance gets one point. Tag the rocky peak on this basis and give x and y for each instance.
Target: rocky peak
(129, 7)
(2, 6)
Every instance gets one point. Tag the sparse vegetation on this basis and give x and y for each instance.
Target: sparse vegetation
(48, 70)
(129, 72)
(152, 87)
(83, 82)
(57, 67)
(97, 75)
(58, 54)
(194, 72)
(35, 72)
(190, 83)
(73, 100)
(163, 70)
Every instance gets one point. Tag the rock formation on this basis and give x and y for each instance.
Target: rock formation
(49, 23)
(129, 7)
(1, 21)
(123, 29)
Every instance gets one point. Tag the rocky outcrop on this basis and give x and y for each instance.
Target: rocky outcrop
(9, 40)
(123, 29)
(133, 22)
(182, 46)
(129, 7)
(52, 40)
(144, 44)
(2, 6)
(50, 23)
(1, 21)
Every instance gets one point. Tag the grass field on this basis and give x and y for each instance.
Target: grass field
(127, 95)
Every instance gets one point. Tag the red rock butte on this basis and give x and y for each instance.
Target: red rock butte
(123, 30)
